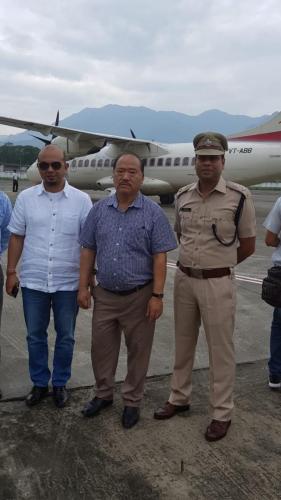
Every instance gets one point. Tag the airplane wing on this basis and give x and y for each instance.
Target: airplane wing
(90, 138)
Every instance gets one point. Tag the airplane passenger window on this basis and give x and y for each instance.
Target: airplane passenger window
(80, 163)
(106, 163)
(168, 162)
(144, 162)
(86, 164)
(152, 162)
(185, 161)
(93, 162)
(73, 164)
(100, 162)
(160, 162)
(193, 161)
(177, 162)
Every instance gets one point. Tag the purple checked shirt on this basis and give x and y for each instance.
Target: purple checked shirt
(125, 241)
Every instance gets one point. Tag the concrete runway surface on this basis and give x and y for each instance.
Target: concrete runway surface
(49, 453)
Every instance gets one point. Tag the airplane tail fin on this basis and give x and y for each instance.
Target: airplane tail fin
(269, 131)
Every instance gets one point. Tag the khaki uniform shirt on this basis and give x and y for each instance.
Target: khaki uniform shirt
(194, 218)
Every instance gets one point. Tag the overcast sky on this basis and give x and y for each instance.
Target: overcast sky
(181, 55)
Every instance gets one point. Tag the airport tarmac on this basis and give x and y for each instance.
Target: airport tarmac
(49, 453)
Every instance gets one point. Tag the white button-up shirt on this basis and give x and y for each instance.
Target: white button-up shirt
(51, 224)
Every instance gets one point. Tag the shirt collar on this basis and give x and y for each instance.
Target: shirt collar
(221, 186)
(136, 203)
(65, 190)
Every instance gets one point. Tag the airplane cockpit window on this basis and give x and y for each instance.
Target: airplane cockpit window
(93, 162)
(80, 163)
(152, 162)
(112, 162)
(160, 162)
(100, 162)
(106, 163)
(193, 161)
(168, 162)
(177, 162)
(144, 162)
(185, 161)
(86, 164)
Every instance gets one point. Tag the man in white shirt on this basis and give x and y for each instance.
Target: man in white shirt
(45, 227)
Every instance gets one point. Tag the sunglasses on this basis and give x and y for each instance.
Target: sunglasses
(43, 165)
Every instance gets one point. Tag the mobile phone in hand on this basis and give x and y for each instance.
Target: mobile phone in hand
(15, 290)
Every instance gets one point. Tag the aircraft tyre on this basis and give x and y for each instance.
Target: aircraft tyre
(167, 199)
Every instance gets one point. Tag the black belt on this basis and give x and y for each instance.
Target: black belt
(193, 272)
(127, 292)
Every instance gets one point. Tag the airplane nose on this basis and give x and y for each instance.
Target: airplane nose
(32, 174)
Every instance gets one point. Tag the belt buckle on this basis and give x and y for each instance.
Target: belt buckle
(196, 273)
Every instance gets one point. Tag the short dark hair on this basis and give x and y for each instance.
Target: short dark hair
(128, 153)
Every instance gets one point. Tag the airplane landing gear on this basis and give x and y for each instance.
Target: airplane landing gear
(167, 199)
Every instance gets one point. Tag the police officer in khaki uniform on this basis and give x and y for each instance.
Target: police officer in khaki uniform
(215, 224)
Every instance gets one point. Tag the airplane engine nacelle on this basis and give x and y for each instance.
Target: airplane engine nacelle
(72, 149)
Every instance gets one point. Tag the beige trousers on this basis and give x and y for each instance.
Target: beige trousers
(214, 301)
(113, 314)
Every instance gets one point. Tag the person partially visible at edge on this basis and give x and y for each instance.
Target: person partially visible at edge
(272, 238)
(127, 235)
(45, 228)
(15, 181)
(5, 215)
(205, 289)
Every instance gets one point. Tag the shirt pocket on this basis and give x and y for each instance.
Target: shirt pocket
(225, 227)
(70, 225)
(137, 236)
(188, 219)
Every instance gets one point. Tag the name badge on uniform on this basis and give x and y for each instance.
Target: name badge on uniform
(185, 209)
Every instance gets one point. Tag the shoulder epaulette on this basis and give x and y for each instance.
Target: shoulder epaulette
(238, 187)
(182, 190)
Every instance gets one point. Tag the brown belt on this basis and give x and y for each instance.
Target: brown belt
(204, 273)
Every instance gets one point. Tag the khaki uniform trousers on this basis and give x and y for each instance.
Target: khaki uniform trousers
(113, 314)
(213, 300)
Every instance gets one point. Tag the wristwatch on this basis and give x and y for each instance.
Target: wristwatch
(158, 295)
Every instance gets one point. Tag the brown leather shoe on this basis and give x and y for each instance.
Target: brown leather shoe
(217, 430)
(169, 410)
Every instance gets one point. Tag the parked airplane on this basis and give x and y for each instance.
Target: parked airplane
(254, 156)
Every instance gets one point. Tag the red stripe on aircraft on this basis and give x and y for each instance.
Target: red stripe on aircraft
(262, 137)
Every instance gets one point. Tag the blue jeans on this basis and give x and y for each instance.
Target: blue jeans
(274, 363)
(37, 307)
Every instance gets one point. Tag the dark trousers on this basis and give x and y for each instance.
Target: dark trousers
(274, 363)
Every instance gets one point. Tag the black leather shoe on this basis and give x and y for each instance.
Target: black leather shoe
(93, 407)
(36, 395)
(130, 417)
(60, 396)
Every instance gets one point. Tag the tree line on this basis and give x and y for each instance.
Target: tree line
(22, 156)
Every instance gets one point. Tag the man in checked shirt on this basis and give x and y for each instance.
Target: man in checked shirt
(127, 235)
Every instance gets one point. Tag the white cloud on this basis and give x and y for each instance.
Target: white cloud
(183, 55)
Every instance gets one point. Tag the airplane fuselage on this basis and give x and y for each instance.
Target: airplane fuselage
(246, 163)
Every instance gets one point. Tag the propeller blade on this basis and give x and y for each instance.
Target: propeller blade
(57, 120)
(46, 141)
(132, 134)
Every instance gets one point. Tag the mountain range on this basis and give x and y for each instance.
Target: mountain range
(161, 126)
